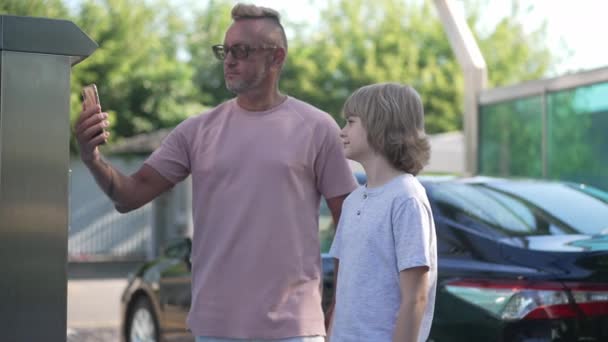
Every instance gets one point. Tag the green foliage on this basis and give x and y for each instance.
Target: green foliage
(360, 42)
(34, 8)
(140, 78)
(512, 54)
(210, 24)
(154, 65)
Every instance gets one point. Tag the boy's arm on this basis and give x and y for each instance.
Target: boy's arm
(414, 291)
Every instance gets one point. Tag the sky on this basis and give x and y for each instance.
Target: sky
(575, 28)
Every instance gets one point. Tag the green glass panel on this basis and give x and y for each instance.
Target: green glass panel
(577, 139)
(510, 138)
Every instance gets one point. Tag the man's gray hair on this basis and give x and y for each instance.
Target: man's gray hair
(250, 11)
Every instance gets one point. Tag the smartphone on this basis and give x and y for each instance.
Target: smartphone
(90, 97)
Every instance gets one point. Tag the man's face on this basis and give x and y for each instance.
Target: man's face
(250, 73)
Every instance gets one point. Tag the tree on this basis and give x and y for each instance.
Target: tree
(512, 54)
(210, 25)
(142, 81)
(34, 8)
(154, 66)
(360, 42)
(137, 69)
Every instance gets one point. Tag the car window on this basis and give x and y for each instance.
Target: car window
(595, 192)
(477, 207)
(515, 209)
(582, 209)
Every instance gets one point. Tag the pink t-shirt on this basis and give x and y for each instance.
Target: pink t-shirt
(257, 179)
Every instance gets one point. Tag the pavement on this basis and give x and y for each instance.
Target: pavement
(94, 303)
(92, 335)
(94, 290)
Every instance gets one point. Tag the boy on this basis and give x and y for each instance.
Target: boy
(385, 242)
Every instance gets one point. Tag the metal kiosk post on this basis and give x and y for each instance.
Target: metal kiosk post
(36, 56)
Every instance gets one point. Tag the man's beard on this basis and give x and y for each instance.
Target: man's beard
(241, 86)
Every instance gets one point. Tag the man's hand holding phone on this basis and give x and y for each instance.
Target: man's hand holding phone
(90, 126)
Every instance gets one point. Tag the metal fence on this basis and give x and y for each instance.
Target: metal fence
(97, 231)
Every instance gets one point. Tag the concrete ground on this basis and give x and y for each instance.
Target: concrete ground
(93, 310)
(94, 303)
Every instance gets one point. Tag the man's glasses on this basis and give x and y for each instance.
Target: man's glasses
(238, 51)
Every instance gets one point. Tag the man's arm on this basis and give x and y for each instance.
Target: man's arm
(330, 309)
(335, 207)
(127, 192)
(414, 292)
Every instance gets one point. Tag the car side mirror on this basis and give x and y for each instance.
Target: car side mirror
(179, 249)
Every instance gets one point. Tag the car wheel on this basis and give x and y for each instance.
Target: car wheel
(143, 326)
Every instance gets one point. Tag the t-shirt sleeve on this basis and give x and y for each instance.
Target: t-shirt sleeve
(333, 174)
(412, 234)
(171, 159)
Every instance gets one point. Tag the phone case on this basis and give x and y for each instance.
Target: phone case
(90, 97)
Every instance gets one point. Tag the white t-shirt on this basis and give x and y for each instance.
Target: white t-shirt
(381, 232)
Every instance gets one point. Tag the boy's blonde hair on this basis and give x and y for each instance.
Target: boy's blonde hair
(250, 11)
(393, 116)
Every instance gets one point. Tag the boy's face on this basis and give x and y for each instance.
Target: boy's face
(354, 138)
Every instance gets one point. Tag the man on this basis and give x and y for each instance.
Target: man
(259, 164)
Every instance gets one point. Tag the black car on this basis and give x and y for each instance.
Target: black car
(519, 260)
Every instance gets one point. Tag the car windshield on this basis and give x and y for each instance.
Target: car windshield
(520, 208)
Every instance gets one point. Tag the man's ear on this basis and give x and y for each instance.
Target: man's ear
(278, 57)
